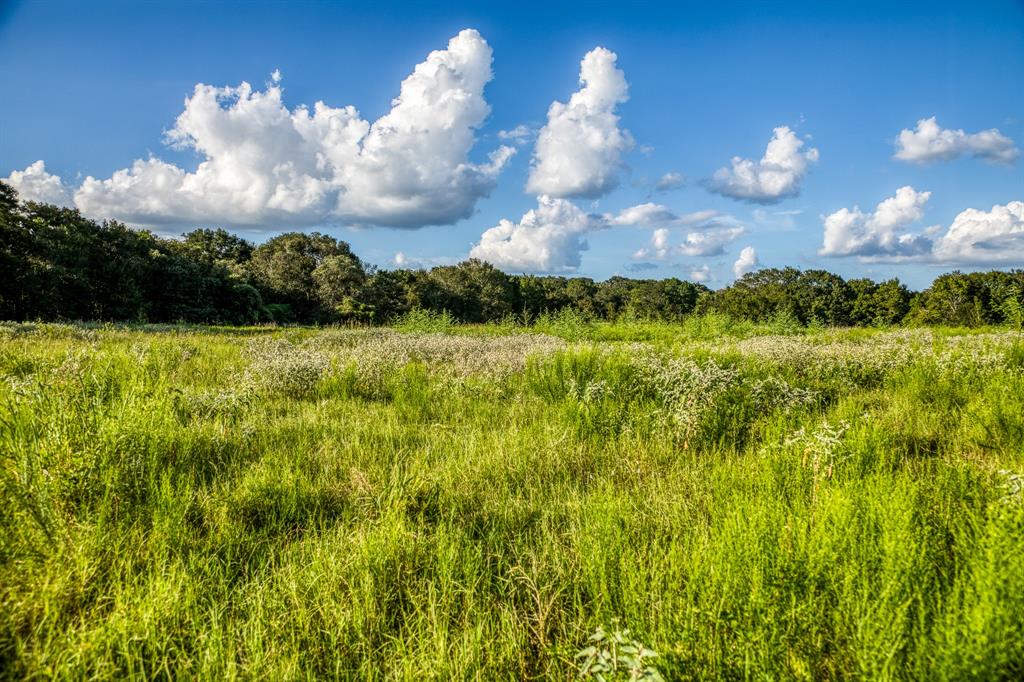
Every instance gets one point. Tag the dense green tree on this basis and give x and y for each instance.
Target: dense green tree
(473, 291)
(969, 299)
(283, 270)
(57, 264)
(612, 297)
(388, 294)
(890, 303)
(582, 295)
(217, 246)
(539, 294)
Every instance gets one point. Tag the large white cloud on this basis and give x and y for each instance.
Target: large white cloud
(984, 237)
(775, 177)
(851, 232)
(976, 237)
(35, 184)
(264, 165)
(746, 262)
(928, 142)
(579, 151)
(549, 238)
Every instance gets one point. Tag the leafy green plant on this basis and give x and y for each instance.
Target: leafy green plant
(421, 320)
(616, 655)
(568, 323)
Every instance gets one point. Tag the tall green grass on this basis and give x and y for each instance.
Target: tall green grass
(187, 504)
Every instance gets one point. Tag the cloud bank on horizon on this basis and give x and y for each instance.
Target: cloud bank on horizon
(265, 165)
(976, 237)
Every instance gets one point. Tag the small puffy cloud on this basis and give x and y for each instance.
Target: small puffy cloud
(851, 232)
(775, 177)
(658, 248)
(669, 182)
(701, 274)
(265, 165)
(650, 214)
(984, 237)
(35, 184)
(780, 221)
(928, 143)
(519, 135)
(640, 267)
(746, 262)
(579, 150)
(403, 261)
(708, 233)
(709, 241)
(548, 239)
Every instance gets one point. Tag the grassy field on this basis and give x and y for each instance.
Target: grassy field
(441, 502)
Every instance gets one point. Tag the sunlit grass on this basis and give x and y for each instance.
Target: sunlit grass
(474, 502)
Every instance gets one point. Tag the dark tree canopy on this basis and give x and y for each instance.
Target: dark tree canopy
(56, 264)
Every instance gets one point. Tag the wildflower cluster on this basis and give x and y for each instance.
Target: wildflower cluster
(774, 393)
(229, 403)
(687, 390)
(279, 366)
(588, 392)
(870, 360)
(1012, 488)
(374, 353)
(821, 449)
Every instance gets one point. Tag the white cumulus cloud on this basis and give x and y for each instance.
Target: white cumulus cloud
(579, 150)
(984, 237)
(746, 262)
(264, 165)
(552, 237)
(851, 232)
(35, 184)
(775, 177)
(708, 232)
(656, 214)
(709, 242)
(701, 274)
(521, 134)
(549, 238)
(928, 142)
(669, 182)
(658, 248)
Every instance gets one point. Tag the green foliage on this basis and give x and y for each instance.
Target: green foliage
(192, 502)
(567, 323)
(616, 656)
(426, 321)
(58, 265)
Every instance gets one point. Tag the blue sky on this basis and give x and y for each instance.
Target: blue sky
(91, 87)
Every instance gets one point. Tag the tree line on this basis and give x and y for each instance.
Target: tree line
(56, 264)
